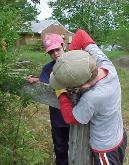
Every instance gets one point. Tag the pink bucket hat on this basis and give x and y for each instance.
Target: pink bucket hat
(52, 41)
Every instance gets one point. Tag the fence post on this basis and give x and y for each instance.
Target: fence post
(79, 152)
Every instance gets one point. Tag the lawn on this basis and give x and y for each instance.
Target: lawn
(37, 115)
(37, 57)
(116, 54)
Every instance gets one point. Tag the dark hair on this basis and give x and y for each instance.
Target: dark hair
(94, 74)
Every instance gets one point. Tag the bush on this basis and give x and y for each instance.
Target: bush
(120, 37)
(14, 135)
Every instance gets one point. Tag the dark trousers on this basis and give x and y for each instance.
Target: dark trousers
(114, 157)
(60, 136)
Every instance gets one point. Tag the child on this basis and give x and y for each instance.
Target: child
(54, 46)
(91, 71)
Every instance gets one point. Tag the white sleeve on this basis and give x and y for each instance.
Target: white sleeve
(83, 111)
(97, 53)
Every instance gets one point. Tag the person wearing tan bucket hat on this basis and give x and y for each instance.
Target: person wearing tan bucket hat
(72, 69)
(87, 68)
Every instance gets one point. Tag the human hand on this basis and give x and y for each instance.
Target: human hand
(32, 79)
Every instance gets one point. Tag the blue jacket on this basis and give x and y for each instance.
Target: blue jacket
(55, 115)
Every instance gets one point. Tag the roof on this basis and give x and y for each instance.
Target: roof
(37, 27)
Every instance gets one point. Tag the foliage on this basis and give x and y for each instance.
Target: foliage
(14, 137)
(14, 15)
(120, 34)
(123, 39)
(99, 18)
(120, 37)
(36, 1)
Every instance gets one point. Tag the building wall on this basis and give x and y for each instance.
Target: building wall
(31, 39)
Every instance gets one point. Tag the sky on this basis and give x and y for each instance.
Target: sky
(44, 8)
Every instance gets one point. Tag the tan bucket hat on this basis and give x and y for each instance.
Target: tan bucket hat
(72, 69)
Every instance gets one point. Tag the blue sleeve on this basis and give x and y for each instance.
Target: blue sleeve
(45, 74)
(44, 77)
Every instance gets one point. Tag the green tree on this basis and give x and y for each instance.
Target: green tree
(99, 18)
(120, 33)
(14, 15)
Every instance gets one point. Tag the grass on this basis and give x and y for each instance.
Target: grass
(115, 54)
(123, 74)
(37, 115)
(124, 80)
(37, 57)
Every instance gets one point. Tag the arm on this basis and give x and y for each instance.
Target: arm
(32, 79)
(81, 113)
(46, 71)
(44, 75)
(82, 40)
(66, 109)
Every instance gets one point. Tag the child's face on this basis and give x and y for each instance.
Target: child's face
(55, 53)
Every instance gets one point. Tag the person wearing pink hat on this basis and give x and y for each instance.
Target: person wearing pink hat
(54, 46)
